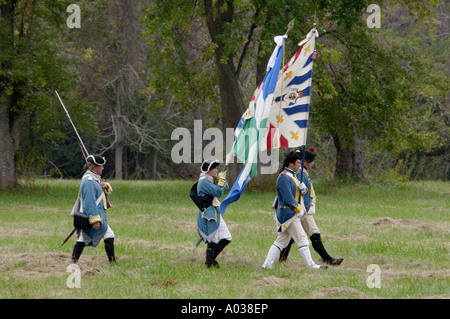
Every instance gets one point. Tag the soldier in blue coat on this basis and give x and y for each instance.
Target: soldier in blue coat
(211, 225)
(93, 204)
(288, 213)
(308, 222)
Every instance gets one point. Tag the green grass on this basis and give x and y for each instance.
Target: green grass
(155, 227)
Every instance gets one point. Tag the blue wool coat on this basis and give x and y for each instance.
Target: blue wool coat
(208, 220)
(91, 191)
(288, 195)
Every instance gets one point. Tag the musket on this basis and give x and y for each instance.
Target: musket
(80, 142)
(68, 236)
(198, 243)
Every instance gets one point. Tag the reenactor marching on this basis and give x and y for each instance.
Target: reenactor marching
(289, 212)
(92, 203)
(211, 224)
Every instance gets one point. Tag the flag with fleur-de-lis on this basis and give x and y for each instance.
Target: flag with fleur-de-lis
(252, 126)
(287, 124)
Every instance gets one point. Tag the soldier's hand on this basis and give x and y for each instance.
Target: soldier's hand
(221, 178)
(222, 175)
(106, 187)
(303, 188)
(302, 213)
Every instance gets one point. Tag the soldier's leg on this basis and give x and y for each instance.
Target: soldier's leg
(313, 232)
(320, 249)
(77, 251)
(109, 245)
(79, 246)
(308, 227)
(225, 238)
(285, 252)
(299, 235)
(274, 251)
(210, 254)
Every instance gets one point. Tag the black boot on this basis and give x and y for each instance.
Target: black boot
(211, 255)
(220, 246)
(320, 249)
(77, 250)
(109, 248)
(218, 249)
(285, 252)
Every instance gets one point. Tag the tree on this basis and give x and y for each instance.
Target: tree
(367, 93)
(420, 150)
(113, 67)
(171, 28)
(360, 90)
(203, 59)
(29, 67)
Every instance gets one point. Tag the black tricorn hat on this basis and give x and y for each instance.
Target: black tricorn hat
(209, 165)
(96, 159)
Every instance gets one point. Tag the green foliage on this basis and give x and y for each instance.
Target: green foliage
(33, 66)
(181, 66)
(418, 144)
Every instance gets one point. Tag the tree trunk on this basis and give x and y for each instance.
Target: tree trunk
(261, 67)
(349, 158)
(119, 132)
(230, 93)
(9, 91)
(359, 165)
(154, 165)
(230, 96)
(9, 142)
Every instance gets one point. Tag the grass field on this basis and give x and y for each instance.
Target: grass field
(402, 228)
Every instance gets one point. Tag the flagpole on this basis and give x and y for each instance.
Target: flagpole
(290, 26)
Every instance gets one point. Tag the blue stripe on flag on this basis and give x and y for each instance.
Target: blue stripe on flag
(271, 78)
(306, 91)
(302, 123)
(309, 60)
(296, 109)
(302, 78)
(238, 128)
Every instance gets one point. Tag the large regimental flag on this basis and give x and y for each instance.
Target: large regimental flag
(252, 126)
(287, 124)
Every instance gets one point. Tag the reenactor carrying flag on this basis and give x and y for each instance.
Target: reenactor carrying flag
(211, 225)
(289, 212)
(308, 222)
